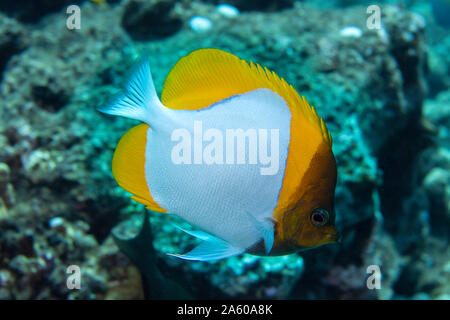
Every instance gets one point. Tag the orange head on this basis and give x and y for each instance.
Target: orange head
(311, 222)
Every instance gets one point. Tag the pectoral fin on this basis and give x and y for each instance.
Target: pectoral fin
(266, 229)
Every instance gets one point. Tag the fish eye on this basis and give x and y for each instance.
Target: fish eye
(319, 217)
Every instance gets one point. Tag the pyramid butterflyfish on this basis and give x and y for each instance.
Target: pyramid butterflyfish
(232, 149)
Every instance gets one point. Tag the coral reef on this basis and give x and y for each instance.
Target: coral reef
(146, 20)
(384, 95)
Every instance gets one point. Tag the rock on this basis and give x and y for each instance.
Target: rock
(31, 11)
(145, 20)
(13, 40)
(436, 182)
(257, 5)
(437, 187)
(5, 172)
(437, 111)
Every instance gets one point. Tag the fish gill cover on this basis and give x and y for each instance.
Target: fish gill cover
(382, 90)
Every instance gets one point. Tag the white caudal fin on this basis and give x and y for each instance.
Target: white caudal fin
(139, 99)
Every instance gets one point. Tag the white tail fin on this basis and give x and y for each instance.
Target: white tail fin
(138, 99)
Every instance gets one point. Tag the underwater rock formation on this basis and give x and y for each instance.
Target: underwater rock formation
(257, 5)
(146, 20)
(13, 40)
(59, 202)
(31, 11)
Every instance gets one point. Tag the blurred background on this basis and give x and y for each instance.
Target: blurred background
(383, 91)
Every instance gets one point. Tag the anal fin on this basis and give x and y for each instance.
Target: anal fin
(128, 166)
(211, 248)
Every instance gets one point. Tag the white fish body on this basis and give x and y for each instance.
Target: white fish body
(227, 198)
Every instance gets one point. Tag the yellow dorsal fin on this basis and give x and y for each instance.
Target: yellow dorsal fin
(206, 76)
(128, 166)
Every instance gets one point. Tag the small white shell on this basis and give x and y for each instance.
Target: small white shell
(55, 222)
(227, 10)
(200, 24)
(351, 32)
